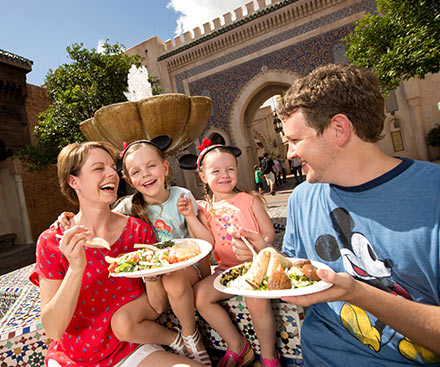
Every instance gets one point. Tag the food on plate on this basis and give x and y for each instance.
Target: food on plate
(278, 280)
(270, 271)
(153, 256)
(98, 242)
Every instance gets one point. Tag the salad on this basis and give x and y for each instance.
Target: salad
(161, 254)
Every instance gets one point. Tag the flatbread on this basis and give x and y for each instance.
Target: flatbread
(277, 260)
(265, 263)
(98, 242)
(185, 249)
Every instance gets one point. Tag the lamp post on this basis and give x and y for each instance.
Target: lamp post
(278, 125)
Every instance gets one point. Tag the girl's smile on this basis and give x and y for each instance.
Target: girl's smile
(147, 173)
(219, 171)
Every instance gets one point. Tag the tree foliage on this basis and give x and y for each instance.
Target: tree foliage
(77, 89)
(400, 41)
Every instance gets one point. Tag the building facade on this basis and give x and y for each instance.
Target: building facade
(244, 57)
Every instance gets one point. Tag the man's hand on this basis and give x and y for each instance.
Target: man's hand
(345, 288)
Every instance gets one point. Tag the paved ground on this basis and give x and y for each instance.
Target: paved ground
(277, 205)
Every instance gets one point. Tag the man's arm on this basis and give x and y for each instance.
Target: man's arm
(418, 322)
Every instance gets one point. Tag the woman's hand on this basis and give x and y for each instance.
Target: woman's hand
(184, 206)
(72, 246)
(64, 220)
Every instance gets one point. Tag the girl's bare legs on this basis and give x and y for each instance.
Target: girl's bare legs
(207, 298)
(167, 359)
(179, 287)
(264, 325)
(134, 323)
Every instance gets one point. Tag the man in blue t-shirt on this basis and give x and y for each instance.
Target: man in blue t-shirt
(374, 219)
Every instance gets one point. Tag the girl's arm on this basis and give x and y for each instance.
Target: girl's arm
(60, 297)
(198, 226)
(264, 222)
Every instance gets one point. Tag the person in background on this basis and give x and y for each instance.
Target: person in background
(277, 171)
(283, 169)
(267, 167)
(78, 298)
(297, 170)
(384, 306)
(258, 179)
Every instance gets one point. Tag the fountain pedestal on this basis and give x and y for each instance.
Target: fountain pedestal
(177, 115)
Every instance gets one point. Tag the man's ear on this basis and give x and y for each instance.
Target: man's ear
(342, 127)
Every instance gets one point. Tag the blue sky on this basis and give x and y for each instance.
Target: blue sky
(40, 30)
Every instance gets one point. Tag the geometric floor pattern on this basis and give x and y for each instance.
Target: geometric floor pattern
(23, 343)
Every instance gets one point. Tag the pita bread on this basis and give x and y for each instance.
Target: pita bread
(185, 250)
(257, 271)
(266, 262)
(277, 260)
(98, 242)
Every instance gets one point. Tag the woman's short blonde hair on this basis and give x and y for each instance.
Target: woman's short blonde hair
(72, 158)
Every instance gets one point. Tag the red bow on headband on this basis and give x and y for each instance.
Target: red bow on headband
(205, 144)
(124, 146)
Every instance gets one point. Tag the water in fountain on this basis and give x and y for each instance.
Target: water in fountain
(138, 85)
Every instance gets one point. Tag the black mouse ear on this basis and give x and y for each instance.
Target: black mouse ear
(188, 161)
(235, 151)
(163, 142)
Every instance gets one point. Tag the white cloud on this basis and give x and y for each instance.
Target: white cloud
(100, 48)
(194, 13)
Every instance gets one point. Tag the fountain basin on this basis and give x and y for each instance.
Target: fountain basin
(177, 115)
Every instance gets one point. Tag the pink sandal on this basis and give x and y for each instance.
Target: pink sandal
(242, 359)
(273, 363)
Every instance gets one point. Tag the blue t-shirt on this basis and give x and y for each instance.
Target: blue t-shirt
(385, 233)
(166, 221)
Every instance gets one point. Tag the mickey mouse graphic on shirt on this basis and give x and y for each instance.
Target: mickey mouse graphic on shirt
(361, 262)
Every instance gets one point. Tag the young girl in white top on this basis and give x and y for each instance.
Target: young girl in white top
(173, 213)
(227, 208)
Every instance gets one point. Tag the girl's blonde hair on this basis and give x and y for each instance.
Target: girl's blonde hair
(70, 161)
(138, 204)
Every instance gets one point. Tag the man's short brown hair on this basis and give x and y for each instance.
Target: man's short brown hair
(332, 89)
(70, 161)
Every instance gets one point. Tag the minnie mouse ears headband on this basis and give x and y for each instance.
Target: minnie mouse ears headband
(191, 161)
(161, 142)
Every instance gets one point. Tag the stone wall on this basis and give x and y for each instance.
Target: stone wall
(36, 102)
(43, 198)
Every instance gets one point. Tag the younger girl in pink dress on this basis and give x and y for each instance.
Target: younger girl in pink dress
(227, 208)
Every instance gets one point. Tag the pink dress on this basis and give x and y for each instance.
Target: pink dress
(236, 211)
(89, 339)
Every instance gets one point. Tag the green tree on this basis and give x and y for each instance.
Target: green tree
(400, 41)
(77, 89)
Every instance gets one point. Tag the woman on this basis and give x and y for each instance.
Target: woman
(78, 298)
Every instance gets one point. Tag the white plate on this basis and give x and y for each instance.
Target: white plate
(316, 287)
(205, 248)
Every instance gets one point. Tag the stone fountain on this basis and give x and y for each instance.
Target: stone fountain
(177, 115)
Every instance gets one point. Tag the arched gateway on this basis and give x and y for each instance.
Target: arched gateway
(245, 59)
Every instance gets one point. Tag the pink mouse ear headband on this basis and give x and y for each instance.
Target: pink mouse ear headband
(191, 161)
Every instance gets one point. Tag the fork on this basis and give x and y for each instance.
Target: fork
(245, 241)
